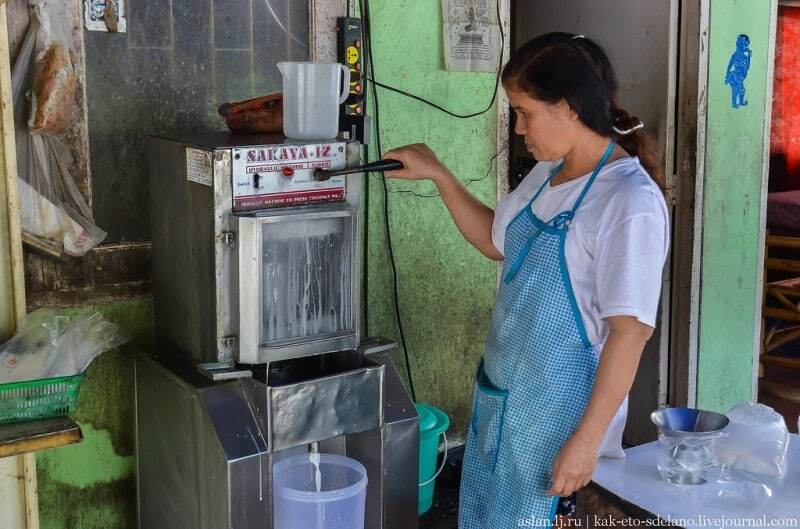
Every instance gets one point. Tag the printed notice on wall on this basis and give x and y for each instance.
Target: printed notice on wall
(471, 35)
(198, 166)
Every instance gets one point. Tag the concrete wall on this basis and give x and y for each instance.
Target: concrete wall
(446, 287)
(732, 243)
(167, 75)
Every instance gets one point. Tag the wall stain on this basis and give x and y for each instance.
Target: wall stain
(91, 485)
(106, 505)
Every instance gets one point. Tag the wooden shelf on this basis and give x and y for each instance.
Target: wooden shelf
(24, 437)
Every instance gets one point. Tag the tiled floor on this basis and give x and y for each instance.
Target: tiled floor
(444, 513)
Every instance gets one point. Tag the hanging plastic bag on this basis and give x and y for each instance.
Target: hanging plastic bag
(52, 343)
(54, 214)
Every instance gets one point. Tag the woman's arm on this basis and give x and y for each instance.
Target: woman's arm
(472, 217)
(619, 361)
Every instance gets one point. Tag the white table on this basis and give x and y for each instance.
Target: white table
(640, 492)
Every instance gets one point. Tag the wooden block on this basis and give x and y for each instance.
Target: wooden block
(26, 437)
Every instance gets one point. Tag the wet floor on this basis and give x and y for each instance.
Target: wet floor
(444, 512)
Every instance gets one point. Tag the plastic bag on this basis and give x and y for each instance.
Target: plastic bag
(688, 459)
(54, 87)
(757, 440)
(739, 493)
(259, 115)
(54, 216)
(51, 343)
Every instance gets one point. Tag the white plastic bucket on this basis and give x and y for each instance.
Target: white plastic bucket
(312, 93)
(339, 504)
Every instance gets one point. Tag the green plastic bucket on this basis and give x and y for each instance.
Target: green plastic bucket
(433, 423)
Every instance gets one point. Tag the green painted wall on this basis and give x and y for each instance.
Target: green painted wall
(446, 287)
(731, 207)
(91, 485)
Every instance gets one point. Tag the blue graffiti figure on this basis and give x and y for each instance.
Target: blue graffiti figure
(737, 71)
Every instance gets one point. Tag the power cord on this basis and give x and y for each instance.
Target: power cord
(365, 17)
(372, 80)
(436, 195)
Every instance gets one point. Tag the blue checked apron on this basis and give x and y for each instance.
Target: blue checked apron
(535, 379)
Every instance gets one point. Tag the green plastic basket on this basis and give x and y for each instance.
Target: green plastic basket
(38, 399)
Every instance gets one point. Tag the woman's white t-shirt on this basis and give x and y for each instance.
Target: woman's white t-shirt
(615, 250)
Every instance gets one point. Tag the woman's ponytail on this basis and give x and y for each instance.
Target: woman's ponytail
(629, 132)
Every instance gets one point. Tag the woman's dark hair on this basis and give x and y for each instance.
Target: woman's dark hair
(557, 66)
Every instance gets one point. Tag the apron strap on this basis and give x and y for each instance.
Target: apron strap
(603, 160)
(562, 219)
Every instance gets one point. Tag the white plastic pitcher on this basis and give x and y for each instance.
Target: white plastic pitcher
(312, 93)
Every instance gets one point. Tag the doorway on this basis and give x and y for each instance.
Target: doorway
(641, 41)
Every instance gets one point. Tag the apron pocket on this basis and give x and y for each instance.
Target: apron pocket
(489, 410)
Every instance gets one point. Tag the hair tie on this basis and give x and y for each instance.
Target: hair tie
(630, 130)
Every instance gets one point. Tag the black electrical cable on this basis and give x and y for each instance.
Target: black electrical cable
(365, 17)
(466, 184)
(439, 107)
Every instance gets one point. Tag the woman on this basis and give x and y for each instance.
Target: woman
(583, 239)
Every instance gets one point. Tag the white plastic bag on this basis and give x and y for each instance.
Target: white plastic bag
(757, 441)
(55, 216)
(51, 343)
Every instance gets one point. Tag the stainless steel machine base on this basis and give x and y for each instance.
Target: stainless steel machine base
(205, 450)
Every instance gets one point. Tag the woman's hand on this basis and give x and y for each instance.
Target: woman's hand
(574, 466)
(420, 163)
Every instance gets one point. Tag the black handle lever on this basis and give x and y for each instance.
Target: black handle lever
(380, 165)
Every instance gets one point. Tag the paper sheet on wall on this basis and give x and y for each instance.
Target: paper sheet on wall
(471, 35)
(105, 15)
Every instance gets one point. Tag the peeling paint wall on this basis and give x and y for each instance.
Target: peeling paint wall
(731, 246)
(91, 485)
(446, 287)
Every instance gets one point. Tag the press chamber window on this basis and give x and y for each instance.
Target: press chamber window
(306, 279)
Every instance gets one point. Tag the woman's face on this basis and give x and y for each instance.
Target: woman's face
(548, 128)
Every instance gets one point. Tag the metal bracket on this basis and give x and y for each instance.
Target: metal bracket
(228, 341)
(375, 344)
(218, 371)
(228, 238)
